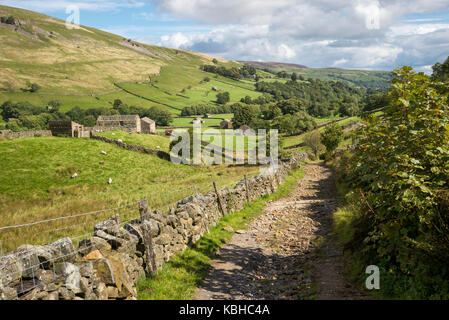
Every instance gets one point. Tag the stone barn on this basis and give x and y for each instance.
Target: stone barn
(197, 120)
(129, 123)
(66, 128)
(148, 126)
(226, 124)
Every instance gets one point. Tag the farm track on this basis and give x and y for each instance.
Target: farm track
(288, 253)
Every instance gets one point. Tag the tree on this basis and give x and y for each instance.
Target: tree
(247, 100)
(272, 112)
(223, 97)
(313, 141)
(117, 103)
(331, 137)
(76, 114)
(55, 105)
(90, 121)
(215, 61)
(244, 116)
(291, 106)
(441, 70)
(294, 76)
(161, 117)
(34, 87)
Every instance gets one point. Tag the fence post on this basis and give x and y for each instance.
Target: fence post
(147, 239)
(247, 189)
(220, 203)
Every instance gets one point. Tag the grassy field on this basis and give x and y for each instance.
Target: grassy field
(194, 91)
(179, 278)
(214, 120)
(36, 184)
(151, 141)
(289, 141)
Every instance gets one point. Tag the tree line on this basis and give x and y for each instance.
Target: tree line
(21, 116)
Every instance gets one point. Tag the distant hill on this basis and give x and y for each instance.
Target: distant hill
(362, 78)
(39, 48)
(275, 66)
(90, 68)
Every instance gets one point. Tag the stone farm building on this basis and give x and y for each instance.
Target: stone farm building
(66, 128)
(226, 124)
(148, 126)
(129, 123)
(197, 120)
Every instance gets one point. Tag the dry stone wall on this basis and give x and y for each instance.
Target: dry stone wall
(132, 147)
(109, 264)
(24, 134)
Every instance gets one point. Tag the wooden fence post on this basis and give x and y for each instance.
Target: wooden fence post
(247, 189)
(220, 203)
(147, 238)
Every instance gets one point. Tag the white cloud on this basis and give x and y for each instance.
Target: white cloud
(353, 34)
(177, 40)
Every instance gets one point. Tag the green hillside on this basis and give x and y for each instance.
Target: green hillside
(82, 67)
(364, 78)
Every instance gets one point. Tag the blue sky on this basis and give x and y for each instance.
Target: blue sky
(355, 34)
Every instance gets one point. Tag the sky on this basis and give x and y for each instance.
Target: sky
(350, 34)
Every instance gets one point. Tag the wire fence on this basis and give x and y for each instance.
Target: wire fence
(79, 226)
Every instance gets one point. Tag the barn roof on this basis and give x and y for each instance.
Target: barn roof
(148, 120)
(119, 118)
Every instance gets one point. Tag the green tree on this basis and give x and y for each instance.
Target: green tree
(161, 117)
(313, 141)
(223, 97)
(117, 103)
(244, 116)
(294, 76)
(441, 70)
(34, 87)
(331, 137)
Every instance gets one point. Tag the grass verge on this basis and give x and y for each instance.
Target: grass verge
(179, 278)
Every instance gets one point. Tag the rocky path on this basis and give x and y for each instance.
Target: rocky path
(288, 253)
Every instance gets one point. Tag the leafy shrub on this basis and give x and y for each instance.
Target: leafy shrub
(400, 175)
(331, 138)
(313, 141)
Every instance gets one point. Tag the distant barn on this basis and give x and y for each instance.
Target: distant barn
(197, 120)
(226, 124)
(66, 128)
(148, 126)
